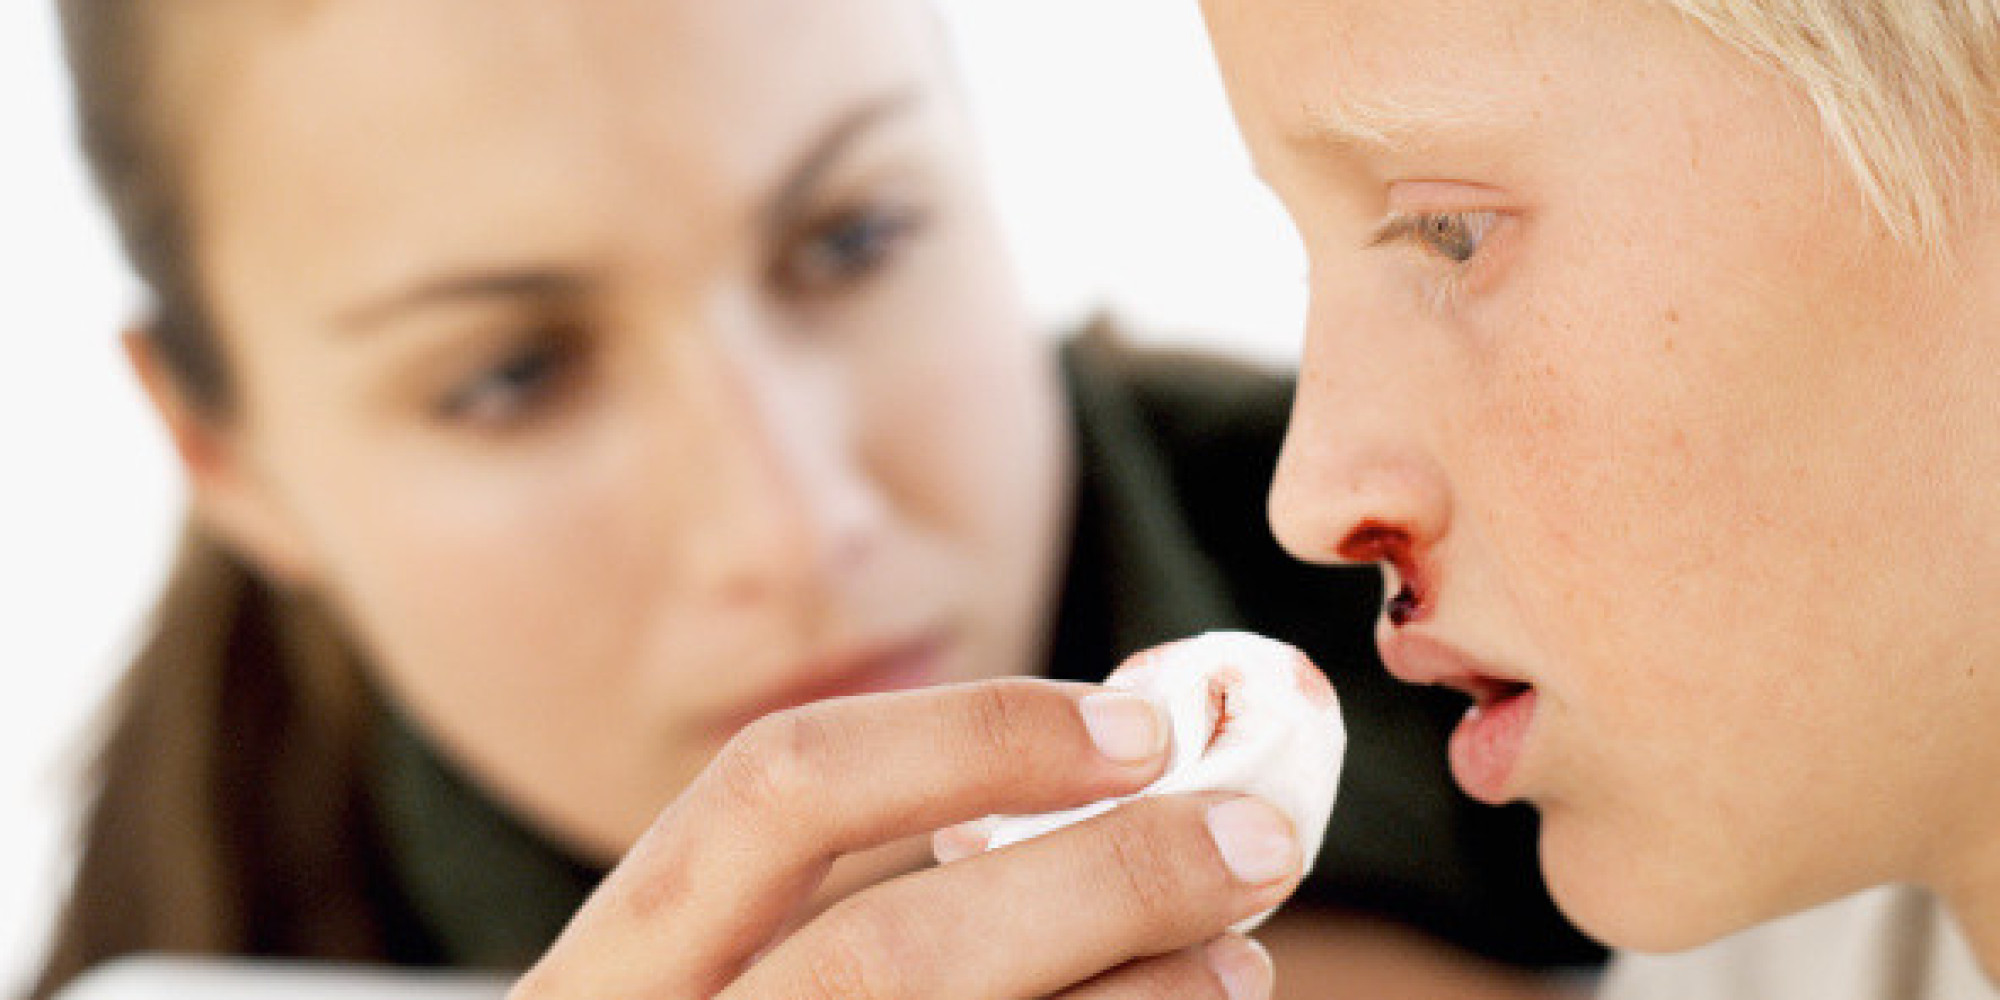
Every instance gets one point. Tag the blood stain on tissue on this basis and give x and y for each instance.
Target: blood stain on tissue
(1220, 685)
(1312, 683)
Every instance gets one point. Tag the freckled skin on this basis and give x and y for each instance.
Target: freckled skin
(1680, 447)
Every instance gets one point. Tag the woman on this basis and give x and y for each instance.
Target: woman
(1654, 352)
(562, 389)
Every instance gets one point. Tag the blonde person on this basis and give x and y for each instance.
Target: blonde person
(563, 387)
(1654, 351)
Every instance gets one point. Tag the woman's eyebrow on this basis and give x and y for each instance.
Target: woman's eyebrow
(791, 197)
(523, 283)
(785, 204)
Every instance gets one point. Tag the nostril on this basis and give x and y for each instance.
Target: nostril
(1403, 607)
(1380, 543)
(1376, 542)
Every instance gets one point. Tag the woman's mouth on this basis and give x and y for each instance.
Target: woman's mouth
(877, 668)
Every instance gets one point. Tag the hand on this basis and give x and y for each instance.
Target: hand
(1134, 903)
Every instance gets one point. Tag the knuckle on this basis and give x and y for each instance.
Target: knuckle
(870, 952)
(1137, 860)
(997, 718)
(1182, 976)
(776, 762)
(837, 972)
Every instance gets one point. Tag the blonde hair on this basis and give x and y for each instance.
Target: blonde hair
(1908, 91)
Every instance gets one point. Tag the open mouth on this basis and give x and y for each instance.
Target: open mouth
(1487, 692)
(1491, 738)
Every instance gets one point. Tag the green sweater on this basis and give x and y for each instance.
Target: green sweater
(1175, 453)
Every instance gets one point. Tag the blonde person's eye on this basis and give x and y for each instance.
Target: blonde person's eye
(1454, 237)
(1450, 243)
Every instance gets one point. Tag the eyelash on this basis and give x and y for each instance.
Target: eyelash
(842, 252)
(1429, 232)
(526, 378)
(837, 255)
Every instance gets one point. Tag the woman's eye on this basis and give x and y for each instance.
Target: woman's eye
(510, 390)
(845, 250)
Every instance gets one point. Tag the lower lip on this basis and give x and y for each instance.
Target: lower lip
(1487, 745)
(920, 665)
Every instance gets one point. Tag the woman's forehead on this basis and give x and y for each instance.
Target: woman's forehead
(377, 128)
(374, 64)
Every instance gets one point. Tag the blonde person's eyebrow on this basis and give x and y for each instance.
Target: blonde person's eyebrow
(1387, 123)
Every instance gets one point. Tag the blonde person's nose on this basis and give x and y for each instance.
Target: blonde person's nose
(1356, 481)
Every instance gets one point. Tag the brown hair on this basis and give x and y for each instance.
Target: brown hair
(228, 812)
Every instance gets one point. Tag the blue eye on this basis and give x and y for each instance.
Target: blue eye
(846, 250)
(511, 389)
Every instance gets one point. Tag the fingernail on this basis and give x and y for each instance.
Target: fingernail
(1256, 840)
(954, 843)
(1125, 727)
(1243, 966)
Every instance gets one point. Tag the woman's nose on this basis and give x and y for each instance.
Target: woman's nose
(1356, 481)
(790, 506)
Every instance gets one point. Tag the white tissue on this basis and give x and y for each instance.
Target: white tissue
(1280, 737)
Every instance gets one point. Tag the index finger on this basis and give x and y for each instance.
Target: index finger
(725, 865)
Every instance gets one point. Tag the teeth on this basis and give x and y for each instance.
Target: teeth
(1486, 691)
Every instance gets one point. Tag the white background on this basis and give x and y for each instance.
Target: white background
(1112, 156)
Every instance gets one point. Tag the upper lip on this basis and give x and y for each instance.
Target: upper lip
(861, 669)
(1420, 659)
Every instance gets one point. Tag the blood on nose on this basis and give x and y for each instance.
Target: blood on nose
(1403, 607)
(1380, 543)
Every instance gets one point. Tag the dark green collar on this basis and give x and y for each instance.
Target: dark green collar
(490, 892)
(1136, 577)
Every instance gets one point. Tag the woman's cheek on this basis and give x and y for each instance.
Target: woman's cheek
(461, 558)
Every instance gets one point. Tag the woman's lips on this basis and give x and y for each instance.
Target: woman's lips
(874, 669)
(1490, 741)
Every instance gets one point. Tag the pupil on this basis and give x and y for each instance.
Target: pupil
(1449, 236)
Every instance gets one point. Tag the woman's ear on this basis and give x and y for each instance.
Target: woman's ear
(231, 498)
